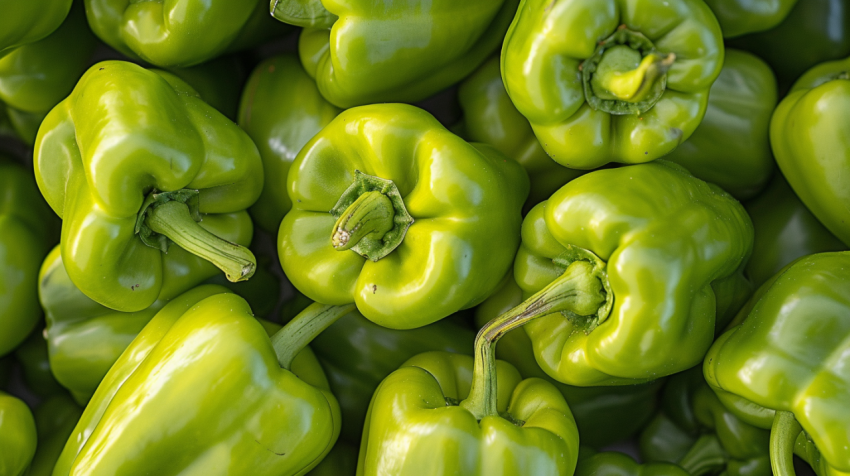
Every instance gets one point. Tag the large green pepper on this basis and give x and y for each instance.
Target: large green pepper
(281, 109)
(731, 147)
(604, 415)
(358, 354)
(34, 360)
(29, 21)
(784, 231)
(695, 431)
(249, 413)
(611, 463)
(132, 160)
(784, 365)
(813, 32)
(363, 52)
(422, 224)
(489, 116)
(739, 17)
(55, 419)
(17, 436)
(180, 32)
(36, 76)
(426, 418)
(85, 338)
(645, 264)
(808, 136)
(611, 80)
(28, 230)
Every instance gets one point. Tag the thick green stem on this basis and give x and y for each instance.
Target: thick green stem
(303, 328)
(616, 76)
(370, 215)
(706, 456)
(173, 220)
(578, 290)
(783, 438)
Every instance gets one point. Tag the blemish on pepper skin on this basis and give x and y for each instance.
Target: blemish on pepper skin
(374, 288)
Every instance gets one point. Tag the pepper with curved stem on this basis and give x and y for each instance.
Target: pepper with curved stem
(783, 438)
(370, 215)
(578, 291)
(303, 328)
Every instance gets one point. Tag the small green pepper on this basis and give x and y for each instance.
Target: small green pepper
(739, 17)
(611, 463)
(133, 180)
(55, 419)
(281, 109)
(808, 136)
(17, 436)
(783, 364)
(363, 52)
(26, 22)
(611, 80)
(35, 364)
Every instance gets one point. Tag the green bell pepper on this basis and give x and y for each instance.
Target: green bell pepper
(17, 436)
(739, 17)
(809, 140)
(36, 76)
(611, 80)
(33, 357)
(55, 419)
(731, 147)
(427, 417)
(695, 431)
(783, 365)
(85, 338)
(784, 231)
(611, 463)
(29, 229)
(281, 109)
(358, 354)
(362, 51)
(180, 32)
(813, 32)
(265, 400)
(604, 415)
(129, 180)
(341, 461)
(26, 22)
(489, 116)
(393, 177)
(644, 264)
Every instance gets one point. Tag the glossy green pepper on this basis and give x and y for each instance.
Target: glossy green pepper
(36, 76)
(813, 32)
(731, 147)
(611, 80)
(250, 413)
(55, 419)
(85, 338)
(425, 419)
(604, 415)
(281, 109)
(695, 431)
(33, 357)
(26, 22)
(739, 17)
(341, 461)
(783, 366)
(130, 180)
(364, 52)
(181, 32)
(611, 463)
(29, 229)
(489, 116)
(809, 140)
(784, 231)
(17, 436)
(358, 354)
(422, 224)
(644, 264)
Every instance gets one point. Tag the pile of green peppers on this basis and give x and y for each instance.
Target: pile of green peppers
(425, 238)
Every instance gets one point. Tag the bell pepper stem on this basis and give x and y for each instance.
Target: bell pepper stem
(705, 456)
(303, 328)
(578, 290)
(370, 215)
(634, 85)
(783, 438)
(173, 220)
